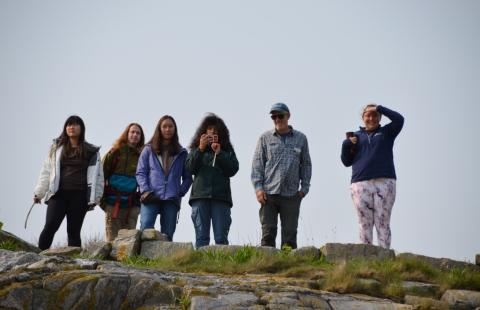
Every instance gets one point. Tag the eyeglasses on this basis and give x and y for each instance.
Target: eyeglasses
(279, 116)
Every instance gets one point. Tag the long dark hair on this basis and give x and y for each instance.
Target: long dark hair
(223, 133)
(123, 139)
(64, 140)
(157, 140)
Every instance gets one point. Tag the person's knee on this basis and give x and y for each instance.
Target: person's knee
(147, 220)
(50, 228)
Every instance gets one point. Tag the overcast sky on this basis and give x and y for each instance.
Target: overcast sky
(116, 62)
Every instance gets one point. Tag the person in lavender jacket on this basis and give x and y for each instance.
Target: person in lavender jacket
(162, 177)
(373, 186)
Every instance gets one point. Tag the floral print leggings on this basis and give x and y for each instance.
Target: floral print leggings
(374, 200)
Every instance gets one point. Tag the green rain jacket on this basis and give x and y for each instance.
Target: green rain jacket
(211, 182)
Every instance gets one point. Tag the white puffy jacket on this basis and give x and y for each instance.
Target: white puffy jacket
(49, 179)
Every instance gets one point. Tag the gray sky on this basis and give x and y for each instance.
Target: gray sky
(116, 62)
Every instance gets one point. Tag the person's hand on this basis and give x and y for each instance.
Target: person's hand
(216, 147)
(353, 139)
(204, 141)
(36, 199)
(301, 194)
(261, 196)
(144, 196)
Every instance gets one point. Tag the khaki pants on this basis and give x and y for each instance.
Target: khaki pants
(112, 226)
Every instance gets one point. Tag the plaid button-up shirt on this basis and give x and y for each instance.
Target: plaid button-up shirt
(281, 165)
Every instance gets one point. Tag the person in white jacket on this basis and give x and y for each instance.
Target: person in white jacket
(70, 182)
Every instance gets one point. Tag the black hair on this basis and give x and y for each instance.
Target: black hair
(64, 140)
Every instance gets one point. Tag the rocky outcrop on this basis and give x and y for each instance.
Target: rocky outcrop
(16, 243)
(63, 280)
(67, 251)
(425, 303)
(462, 299)
(35, 281)
(98, 250)
(440, 263)
(80, 284)
(420, 289)
(310, 252)
(339, 252)
(152, 234)
(127, 244)
(10, 260)
(157, 249)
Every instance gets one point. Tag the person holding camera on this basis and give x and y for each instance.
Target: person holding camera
(162, 178)
(213, 162)
(71, 181)
(281, 172)
(121, 201)
(373, 185)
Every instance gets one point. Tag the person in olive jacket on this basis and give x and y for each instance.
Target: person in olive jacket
(213, 162)
(121, 198)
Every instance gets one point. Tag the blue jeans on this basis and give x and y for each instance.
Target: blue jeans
(168, 216)
(217, 212)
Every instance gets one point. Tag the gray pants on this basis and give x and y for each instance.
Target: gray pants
(289, 210)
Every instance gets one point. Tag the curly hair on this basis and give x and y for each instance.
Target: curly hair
(223, 133)
(123, 139)
(157, 140)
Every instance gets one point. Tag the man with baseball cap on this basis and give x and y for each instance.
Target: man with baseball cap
(281, 172)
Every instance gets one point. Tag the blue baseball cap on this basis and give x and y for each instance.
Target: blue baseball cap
(279, 108)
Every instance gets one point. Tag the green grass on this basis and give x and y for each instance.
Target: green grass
(8, 244)
(245, 260)
(376, 278)
(460, 279)
(344, 278)
(183, 302)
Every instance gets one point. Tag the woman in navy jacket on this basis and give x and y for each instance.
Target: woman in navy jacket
(162, 177)
(373, 186)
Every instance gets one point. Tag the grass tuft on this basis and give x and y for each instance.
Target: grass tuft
(183, 301)
(460, 278)
(9, 244)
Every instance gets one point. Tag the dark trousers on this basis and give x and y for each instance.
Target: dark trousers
(289, 209)
(73, 205)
